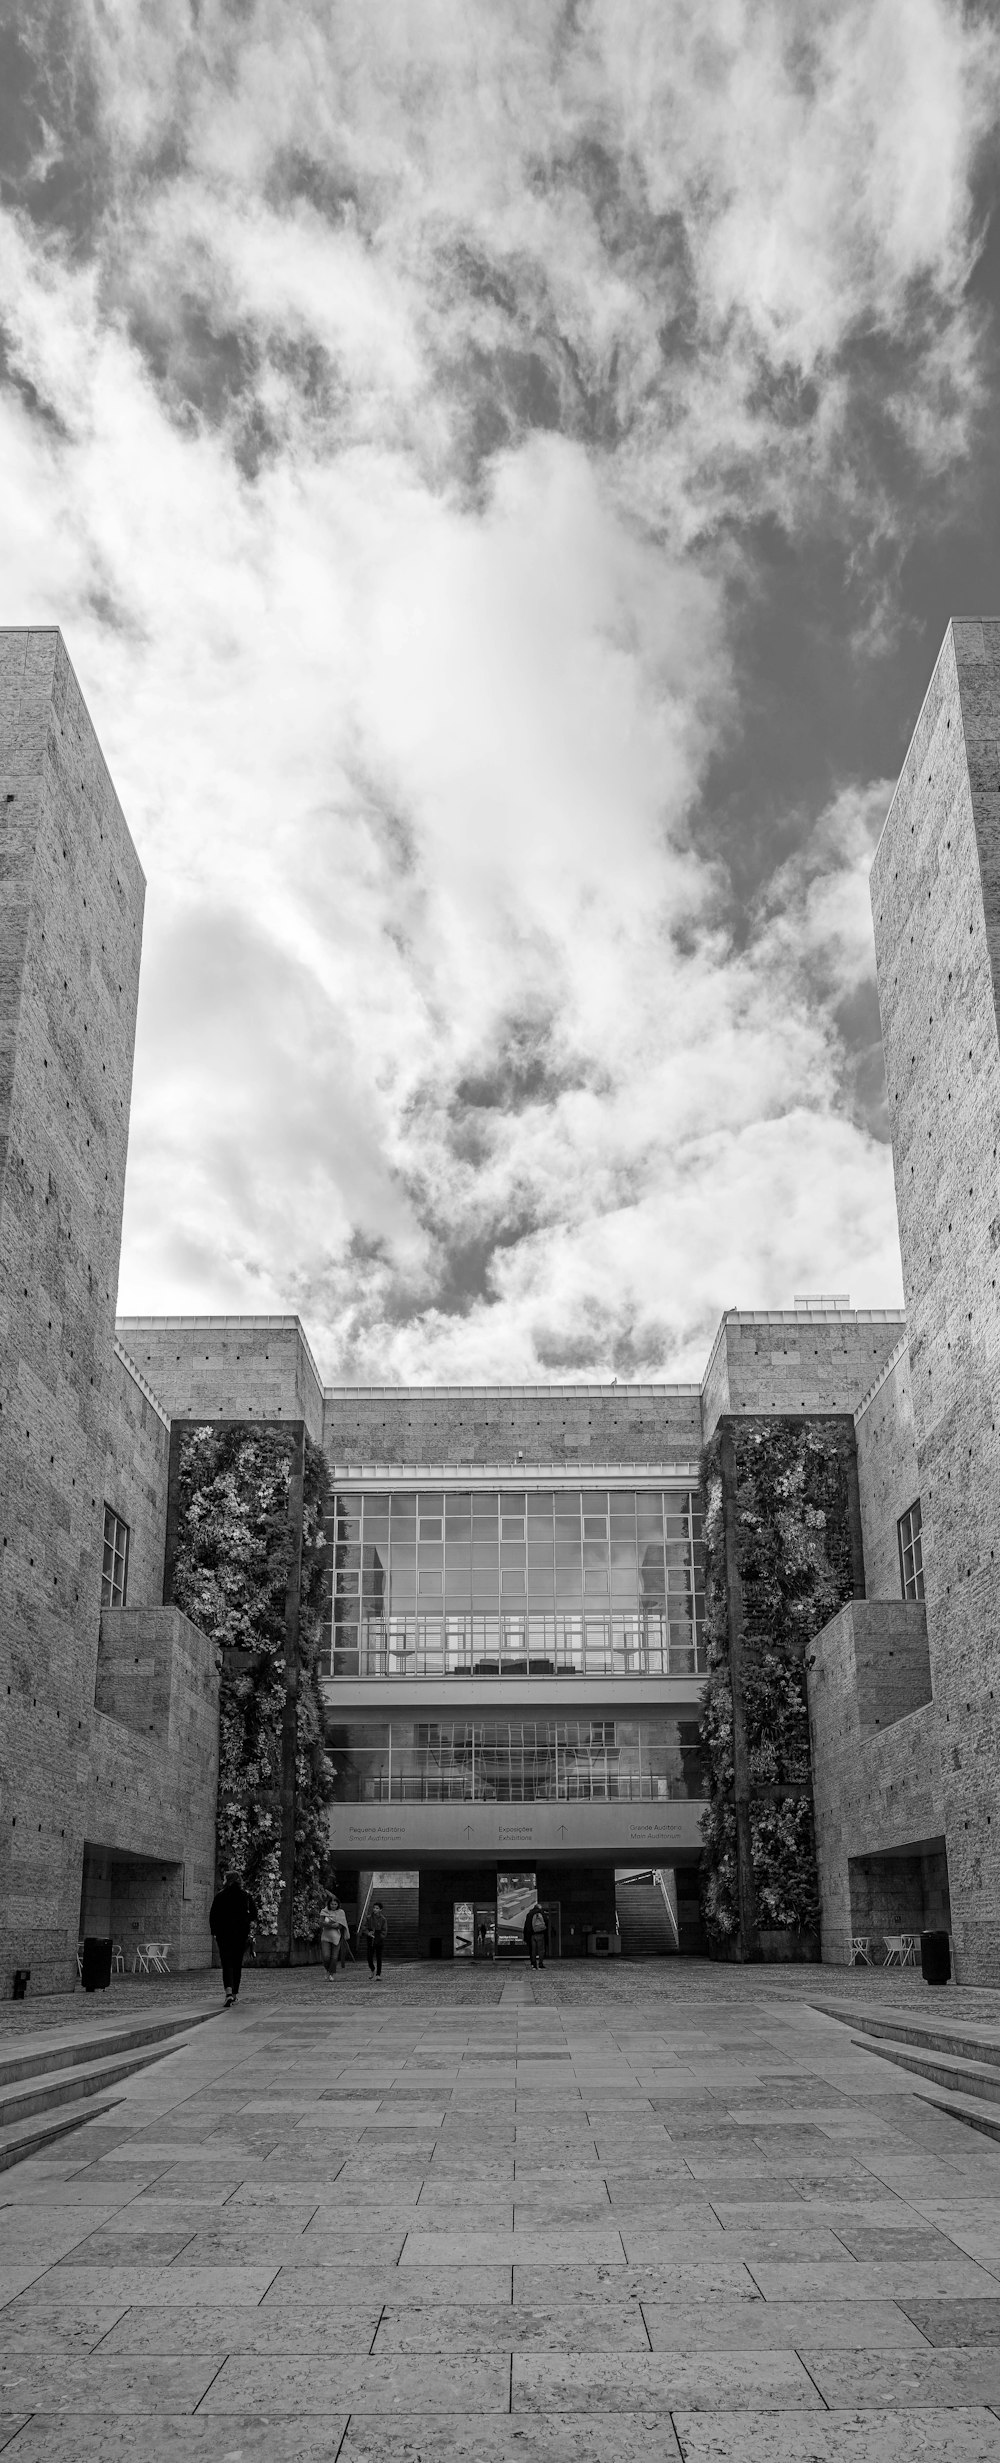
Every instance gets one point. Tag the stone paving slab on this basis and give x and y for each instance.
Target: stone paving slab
(594, 2230)
(968, 2436)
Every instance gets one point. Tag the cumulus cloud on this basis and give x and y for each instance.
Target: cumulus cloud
(391, 408)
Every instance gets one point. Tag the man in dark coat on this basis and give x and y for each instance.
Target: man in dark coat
(536, 1934)
(230, 1919)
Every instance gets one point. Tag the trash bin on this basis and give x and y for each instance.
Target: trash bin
(434, 1946)
(935, 1958)
(96, 1965)
(22, 1977)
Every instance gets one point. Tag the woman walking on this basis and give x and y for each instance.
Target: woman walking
(333, 1930)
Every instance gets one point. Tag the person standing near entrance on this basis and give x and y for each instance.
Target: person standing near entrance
(333, 1927)
(230, 1918)
(376, 1930)
(536, 1934)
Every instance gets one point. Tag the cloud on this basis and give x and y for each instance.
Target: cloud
(391, 409)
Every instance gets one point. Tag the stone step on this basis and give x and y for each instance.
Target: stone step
(974, 2078)
(72, 2049)
(930, 2035)
(22, 2138)
(52, 2089)
(964, 2108)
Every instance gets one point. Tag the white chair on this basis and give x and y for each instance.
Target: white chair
(158, 1954)
(140, 1963)
(900, 1949)
(117, 1960)
(861, 1950)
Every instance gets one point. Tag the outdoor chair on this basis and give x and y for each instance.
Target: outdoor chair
(900, 1949)
(861, 1950)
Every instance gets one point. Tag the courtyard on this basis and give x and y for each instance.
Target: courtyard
(618, 2216)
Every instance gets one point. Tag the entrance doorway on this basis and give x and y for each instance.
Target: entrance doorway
(494, 1928)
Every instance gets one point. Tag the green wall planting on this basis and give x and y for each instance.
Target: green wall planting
(792, 1538)
(244, 1571)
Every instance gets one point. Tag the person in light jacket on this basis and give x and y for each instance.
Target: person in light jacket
(333, 1930)
(231, 1917)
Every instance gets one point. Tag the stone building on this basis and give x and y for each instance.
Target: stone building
(516, 1642)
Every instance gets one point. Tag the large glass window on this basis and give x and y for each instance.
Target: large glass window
(911, 1553)
(516, 1581)
(516, 1761)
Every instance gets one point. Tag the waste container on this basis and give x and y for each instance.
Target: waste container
(935, 1958)
(96, 1965)
(22, 1979)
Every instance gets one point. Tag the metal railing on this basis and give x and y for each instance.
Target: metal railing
(520, 1645)
(563, 1787)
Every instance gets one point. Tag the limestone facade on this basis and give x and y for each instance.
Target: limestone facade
(109, 1739)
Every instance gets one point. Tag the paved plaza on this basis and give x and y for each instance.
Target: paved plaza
(489, 2220)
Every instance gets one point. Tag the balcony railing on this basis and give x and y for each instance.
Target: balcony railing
(521, 1645)
(564, 1787)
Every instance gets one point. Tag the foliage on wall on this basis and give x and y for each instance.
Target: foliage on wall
(234, 1545)
(792, 1519)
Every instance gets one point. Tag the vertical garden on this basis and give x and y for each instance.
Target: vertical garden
(782, 1546)
(246, 1562)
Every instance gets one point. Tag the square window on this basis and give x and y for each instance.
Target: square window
(512, 1582)
(595, 1526)
(430, 1583)
(512, 1526)
(430, 1527)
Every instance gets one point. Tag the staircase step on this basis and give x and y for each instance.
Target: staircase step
(958, 2041)
(967, 2077)
(963, 2108)
(643, 1922)
(21, 2138)
(63, 2051)
(47, 2091)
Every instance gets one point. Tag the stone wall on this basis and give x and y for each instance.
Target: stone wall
(888, 1473)
(874, 1747)
(936, 905)
(70, 932)
(227, 1368)
(135, 1478)
(578, 1426)
(154, 1769)
(792, 1360)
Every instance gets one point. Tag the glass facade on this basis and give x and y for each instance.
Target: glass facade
(516, 1582)
(516, 1761)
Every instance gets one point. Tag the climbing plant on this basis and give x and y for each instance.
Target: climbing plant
(234, 1547)
(792, 1528)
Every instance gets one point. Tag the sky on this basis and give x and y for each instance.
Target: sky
(502, 471)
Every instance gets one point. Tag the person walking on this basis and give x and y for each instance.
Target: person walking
(230, 1918)
(376, 1930)
(333, 1927)
(536, 1934)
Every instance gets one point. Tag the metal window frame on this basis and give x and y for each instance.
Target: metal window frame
(117, 1537)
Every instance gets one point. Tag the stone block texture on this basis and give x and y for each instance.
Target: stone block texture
(888, 1473)
(877, 1786)
(154, 1770)
(573, 1426)
(70, 932)
(936, 906)
(796, 1360)
(227, 1368)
